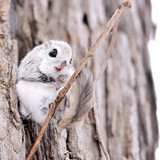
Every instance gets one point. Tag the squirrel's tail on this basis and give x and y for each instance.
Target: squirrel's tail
(80, 99)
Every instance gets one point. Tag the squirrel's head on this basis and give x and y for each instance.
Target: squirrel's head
(55, 57)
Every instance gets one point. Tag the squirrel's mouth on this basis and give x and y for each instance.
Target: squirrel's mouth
(62, 65)
(58, 69)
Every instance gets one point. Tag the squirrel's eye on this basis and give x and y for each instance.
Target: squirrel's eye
(53, 53)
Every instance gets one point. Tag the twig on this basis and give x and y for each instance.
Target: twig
(62, 93)
(99, 137)
(108, 53)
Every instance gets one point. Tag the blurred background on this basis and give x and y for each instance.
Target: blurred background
(154, 49)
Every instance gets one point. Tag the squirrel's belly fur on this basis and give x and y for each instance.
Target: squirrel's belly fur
(39, 96)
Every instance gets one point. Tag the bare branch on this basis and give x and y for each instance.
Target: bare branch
(99, 137)
(108, 53)
(114, 19)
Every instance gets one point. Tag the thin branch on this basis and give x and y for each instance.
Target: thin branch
(92, 49)
(108, 53)
(98, 136)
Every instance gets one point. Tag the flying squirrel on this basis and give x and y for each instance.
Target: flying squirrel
(42, 73)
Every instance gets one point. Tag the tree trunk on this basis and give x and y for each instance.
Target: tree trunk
(12, 145)
(125, 93)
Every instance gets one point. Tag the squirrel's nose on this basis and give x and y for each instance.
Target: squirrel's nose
(63, 64)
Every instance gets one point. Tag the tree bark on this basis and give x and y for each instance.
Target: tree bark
(12, 145)
(125, 93)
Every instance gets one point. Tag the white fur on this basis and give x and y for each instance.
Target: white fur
(35, 96)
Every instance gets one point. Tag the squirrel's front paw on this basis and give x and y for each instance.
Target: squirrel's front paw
(62, 78)
(56, 84)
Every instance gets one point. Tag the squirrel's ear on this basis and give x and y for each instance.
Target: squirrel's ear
(47, 44)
